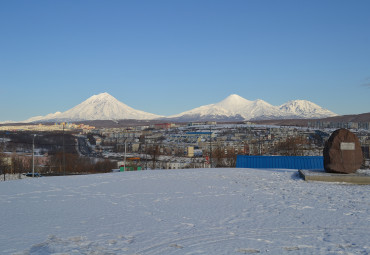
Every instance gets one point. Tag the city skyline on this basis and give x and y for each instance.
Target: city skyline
(167, 57)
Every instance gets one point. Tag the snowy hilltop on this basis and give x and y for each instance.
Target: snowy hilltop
(194, 211)
(98, 107)
(233, 108)
(237, 107)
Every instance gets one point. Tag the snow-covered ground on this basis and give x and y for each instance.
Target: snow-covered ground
(197, 211)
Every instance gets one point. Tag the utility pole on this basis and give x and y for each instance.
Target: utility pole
(210, 145)
(259, 144)
(33, 155)
(124, 160)
(64, 156)
(117, 144)
(146, 154)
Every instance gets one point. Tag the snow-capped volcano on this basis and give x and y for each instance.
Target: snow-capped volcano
(304, 108)
(98, 107)
(238, 108)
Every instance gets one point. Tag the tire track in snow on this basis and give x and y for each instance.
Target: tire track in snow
(288, 239)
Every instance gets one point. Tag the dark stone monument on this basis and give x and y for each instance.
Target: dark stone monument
(342, 152)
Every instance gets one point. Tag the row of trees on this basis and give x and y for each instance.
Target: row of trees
(73, 163)
(55, 164)
(293, 146)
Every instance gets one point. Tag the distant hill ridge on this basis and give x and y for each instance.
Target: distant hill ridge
(364, 117)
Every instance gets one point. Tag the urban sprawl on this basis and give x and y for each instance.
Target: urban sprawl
(65, 148)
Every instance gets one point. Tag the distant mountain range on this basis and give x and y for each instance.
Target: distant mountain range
(233, 108)
(237, 108)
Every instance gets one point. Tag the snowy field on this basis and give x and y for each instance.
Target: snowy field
(197, 211)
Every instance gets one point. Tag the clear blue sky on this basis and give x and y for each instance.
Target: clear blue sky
(166, 57)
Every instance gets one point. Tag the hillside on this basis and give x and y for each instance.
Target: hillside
(365, 117)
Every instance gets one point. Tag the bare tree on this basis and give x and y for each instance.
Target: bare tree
(293, 146)
(3, 165)
(17, 165)
(230, 157)
(154, 152)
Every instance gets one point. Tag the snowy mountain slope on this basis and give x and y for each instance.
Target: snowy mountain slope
(235, 106)
(47, 117)
(306, 109)
(232, 106)
(98, 107)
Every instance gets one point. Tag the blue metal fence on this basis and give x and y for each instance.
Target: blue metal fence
(282, 162)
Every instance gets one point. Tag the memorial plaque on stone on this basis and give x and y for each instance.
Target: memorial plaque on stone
(342, 152)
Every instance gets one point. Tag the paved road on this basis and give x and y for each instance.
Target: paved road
(83, 147)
